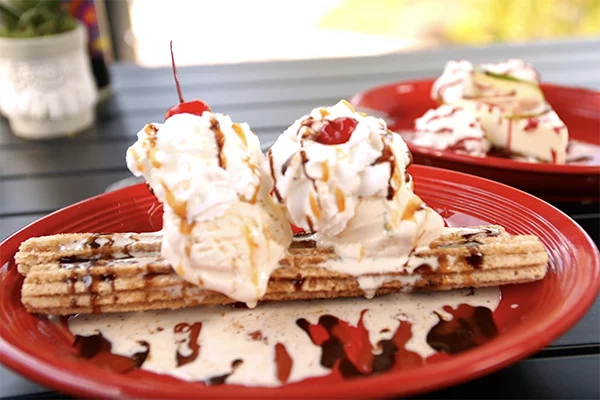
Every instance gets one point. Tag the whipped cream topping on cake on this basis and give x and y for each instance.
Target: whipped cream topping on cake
(222, 230)
(455, 82)
(451, 127)
(356, 195)
(514, 68)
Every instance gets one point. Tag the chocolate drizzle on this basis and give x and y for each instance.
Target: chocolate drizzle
(475, 260)
(192, 332)
(272, 168)
(482, 232)
(469, 327)
(286, 165)
(97, 349)
(387, 155)
(298, 282)
(219, 380)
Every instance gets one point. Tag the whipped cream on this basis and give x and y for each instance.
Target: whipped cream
(222, 231)
(514, 68)
(455, 82)
(451, 127)
(356, 195)
(320, 184)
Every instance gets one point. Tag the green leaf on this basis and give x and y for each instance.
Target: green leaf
(8, 13)
(25, 5)
(47, 27)
(27, 32)
(66, 24)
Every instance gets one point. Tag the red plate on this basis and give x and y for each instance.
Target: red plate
(403, 102)
(41, 350)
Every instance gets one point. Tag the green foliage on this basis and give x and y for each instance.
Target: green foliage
(33, 18)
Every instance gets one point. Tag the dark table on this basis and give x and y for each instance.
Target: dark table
(37, 178)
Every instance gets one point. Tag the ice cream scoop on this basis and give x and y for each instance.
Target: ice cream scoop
(354, 193)
(222, 230)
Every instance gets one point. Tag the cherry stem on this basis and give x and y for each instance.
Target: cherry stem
(177, 85)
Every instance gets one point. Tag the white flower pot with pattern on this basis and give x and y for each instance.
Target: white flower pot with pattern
(47, 89)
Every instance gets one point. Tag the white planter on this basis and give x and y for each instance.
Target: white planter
(47, 88)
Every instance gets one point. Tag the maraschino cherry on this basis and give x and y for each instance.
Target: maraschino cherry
(196, 107)
(337, 131)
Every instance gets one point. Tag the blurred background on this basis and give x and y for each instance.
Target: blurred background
(230, 31)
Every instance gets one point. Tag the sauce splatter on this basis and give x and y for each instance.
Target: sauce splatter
(469, 327)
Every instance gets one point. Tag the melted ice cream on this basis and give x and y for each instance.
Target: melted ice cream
(242, 346)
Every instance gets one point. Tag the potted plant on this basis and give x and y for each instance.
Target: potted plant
(46, 84)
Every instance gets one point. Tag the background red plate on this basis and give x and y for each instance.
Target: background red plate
(41, 349)
(403, 102)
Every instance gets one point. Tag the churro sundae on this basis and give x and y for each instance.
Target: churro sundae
(338, 175)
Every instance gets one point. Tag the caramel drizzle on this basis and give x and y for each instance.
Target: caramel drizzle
(314, 206)
(252, 247)
(240, 132)
(324, 112)
(340, 199)
(179, 208)
(150, 145)
(345, 102)
(152, 157)
(136, 158)
(325, 171)
(414, 205)
(309, 132)
(220, 140)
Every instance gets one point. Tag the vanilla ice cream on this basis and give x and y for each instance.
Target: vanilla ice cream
(222, 230)
(451, 127)
(355, 194)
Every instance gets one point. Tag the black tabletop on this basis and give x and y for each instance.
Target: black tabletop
(37, 178)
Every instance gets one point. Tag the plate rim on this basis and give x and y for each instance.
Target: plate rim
(481, 361)
(493, 162)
